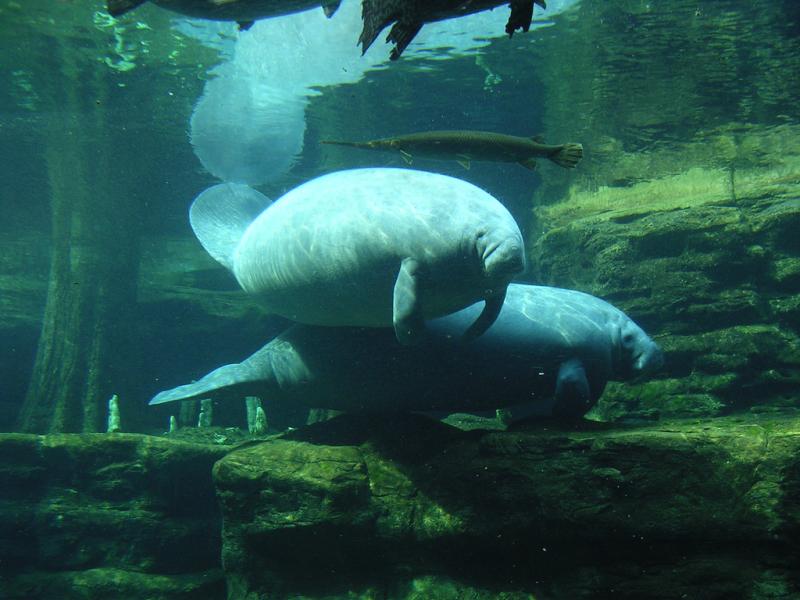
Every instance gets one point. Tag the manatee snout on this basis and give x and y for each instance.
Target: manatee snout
(504, 260)
(649, 360)
(642, 356)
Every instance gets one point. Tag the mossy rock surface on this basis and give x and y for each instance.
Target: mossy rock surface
(92, 584)
(361, 507)
(705, 258)
(108, 515)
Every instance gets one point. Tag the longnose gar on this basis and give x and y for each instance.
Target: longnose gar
(466, 146)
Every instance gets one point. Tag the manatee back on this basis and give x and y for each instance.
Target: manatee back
(545, 325)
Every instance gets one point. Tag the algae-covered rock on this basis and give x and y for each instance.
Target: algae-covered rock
(107, 515)
(113, 583)
(686, 207)
(398, 507)
(705, 259)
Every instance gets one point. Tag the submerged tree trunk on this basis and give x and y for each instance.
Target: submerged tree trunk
(91, 290)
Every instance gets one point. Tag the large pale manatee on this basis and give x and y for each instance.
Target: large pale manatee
(550, 349)
(366, 247)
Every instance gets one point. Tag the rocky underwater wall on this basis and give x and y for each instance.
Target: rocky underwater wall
(707, 259)
(108, 516)
(686, 208)
(407, 508)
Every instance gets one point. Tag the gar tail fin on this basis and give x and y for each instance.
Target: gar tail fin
(376, 15)
(120, 7)
(220, 215)
(568, 155)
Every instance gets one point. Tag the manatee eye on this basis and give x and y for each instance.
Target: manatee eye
(627, 339)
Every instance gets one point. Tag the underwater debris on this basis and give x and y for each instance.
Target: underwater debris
(113, 415)
(206, 413)
(256, 417)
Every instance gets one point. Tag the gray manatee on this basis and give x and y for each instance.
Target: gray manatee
(550, 349)
(366, 247)
(243, 11)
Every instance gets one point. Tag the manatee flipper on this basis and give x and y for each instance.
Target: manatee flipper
(407, 317)
(330, 8)
(521, 15)
(573, 395)
(401, 35)
(220, 215)
(376, 15)
(492, 308)
(119, 7)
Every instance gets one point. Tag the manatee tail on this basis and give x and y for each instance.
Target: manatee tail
(207, 387)
(568, 155)
(220, 215)
(249, 377)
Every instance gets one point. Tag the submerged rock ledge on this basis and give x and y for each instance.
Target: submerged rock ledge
(108, 516)
(376, 507)
(409, 508)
